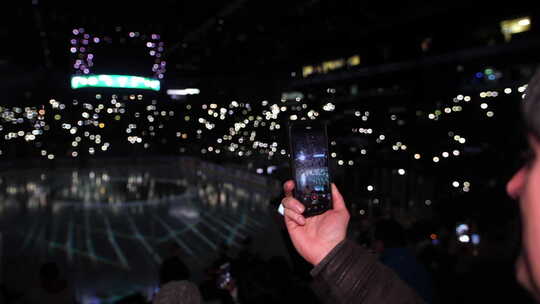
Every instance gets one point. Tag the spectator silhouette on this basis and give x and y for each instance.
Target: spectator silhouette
(175, 285)
(52, 289)
(391, 244)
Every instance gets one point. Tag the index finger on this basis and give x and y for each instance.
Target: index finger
(288, 187)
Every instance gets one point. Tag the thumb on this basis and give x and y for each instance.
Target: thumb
(337, 199)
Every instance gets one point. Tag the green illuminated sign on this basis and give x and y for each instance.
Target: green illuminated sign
(114, 81)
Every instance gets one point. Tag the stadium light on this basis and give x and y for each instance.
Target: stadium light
(114, 81)
(182, 92)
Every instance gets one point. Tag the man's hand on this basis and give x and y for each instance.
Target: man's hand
(314, 237)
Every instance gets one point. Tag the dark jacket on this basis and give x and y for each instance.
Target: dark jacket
(350, 274)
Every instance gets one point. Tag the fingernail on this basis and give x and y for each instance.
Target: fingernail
(300, 209)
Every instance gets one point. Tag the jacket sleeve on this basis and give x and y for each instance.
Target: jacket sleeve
(350, 274)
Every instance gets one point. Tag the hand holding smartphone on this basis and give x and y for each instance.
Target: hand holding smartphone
(309, 163)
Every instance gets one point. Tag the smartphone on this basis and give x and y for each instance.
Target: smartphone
(309, 163)
(224, 276)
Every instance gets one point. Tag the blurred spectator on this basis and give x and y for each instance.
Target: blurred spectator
(210, 291)
(53, 288)
(391, 245)
(247, 278)
(175, 287)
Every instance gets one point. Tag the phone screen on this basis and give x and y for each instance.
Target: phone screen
(309, 146)
(224, 276)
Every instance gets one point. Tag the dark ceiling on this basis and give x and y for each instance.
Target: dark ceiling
(227, 37)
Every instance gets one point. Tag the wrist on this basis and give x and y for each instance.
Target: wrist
(324, 252)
